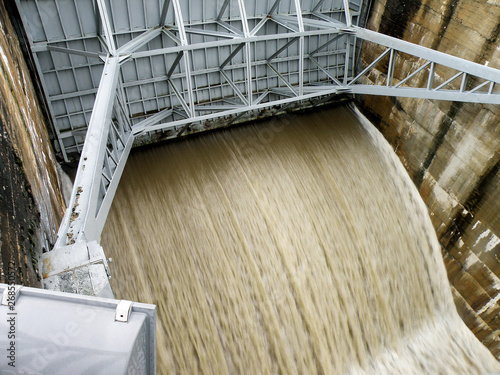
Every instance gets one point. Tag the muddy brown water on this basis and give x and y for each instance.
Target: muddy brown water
(295, 246)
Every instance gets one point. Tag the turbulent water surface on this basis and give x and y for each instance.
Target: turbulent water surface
(296, 246)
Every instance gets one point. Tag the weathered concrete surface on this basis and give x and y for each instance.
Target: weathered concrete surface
(80, 268)
(19, 219)
(451, 150)
(31, 204)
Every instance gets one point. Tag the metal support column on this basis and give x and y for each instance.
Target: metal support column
(187, 63)
(301, 47)
(248, 56)
(82, 210)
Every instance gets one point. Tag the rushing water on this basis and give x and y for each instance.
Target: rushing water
(296, 246)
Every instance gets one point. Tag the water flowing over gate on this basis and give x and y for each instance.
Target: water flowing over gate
(117, 71)
(122, 72)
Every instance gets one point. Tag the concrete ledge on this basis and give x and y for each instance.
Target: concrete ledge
(80, 268)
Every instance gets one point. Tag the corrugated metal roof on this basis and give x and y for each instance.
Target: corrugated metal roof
(68, 40)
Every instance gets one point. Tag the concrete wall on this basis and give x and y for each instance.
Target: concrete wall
(31, 204)
(451, 150)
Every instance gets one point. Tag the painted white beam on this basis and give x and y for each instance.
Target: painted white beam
(230, 28)
(139, 41)
(156, 118)
(235, 88)
(82, 209)
(369, 67)
(436, 57)
(179, 96)
(70, 51)
(229, 42)
(300, 22)
(287, 22)
(413, 74)
(214, 107)
(248, 52)
(96, 226)
(106, 26)
(174, 124)
(280, 76)
(216, 34)
(423, 93)
(347, 11)
(259, 26)
(179, 20)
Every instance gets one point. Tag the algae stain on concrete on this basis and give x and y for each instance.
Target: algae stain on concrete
(31, 202)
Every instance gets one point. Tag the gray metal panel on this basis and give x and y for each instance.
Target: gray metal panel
(62, 333)
(65, 39)
(172, 65)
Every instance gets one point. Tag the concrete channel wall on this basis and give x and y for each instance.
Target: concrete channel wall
(450, 149)
(31, 203)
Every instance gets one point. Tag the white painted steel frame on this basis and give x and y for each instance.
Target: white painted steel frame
(91, 199)
(107, 145)
(79, 128)
(89, 205)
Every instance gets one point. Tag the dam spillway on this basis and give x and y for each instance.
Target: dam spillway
(293, 66)
(120, 73)
(297, 245)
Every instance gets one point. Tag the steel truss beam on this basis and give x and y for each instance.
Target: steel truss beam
(107, 145)
(187, 63)
(139, 41)
(437, 57)
(238, 40)
(422, 93)
(110, 134)
(106, 26)
(299, 92)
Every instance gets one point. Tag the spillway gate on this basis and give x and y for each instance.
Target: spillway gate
(115, 71)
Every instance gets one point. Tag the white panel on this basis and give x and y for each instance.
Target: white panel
(158, 65)
(128, 71)
(123, 39)
(52, 84)
(133, 93)
(73, 105)
(84, 78)
(119, 14)
(33, 22)
(69, 18)
(137, 15)
(58, 107)
(51, 22)
(88, 102)
(67, 81)
(153, 12)
(45, 61)
(63, 124)
(61, 60)
(86, 13)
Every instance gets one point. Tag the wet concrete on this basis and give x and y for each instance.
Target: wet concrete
(31, 203)
(451, 150)
(19, 219)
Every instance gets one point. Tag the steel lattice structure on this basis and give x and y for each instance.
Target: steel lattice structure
(113, 70)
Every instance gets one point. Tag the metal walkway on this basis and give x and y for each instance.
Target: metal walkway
(113, 70)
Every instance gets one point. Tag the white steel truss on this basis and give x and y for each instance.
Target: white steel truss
(237, 62)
